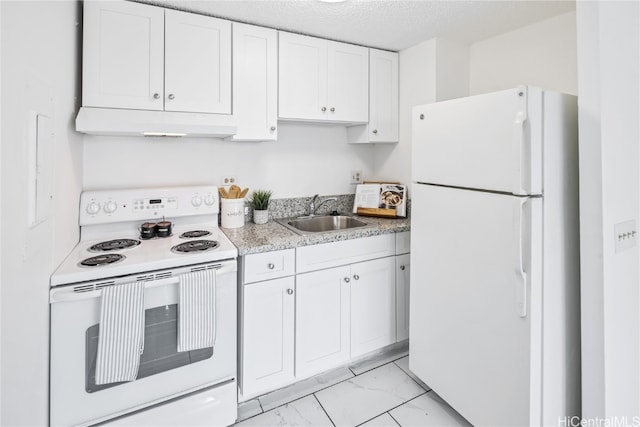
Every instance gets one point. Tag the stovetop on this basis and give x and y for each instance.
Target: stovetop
(110, 229)
(148, 255)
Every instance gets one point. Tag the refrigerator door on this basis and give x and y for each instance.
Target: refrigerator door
(474, 309)
(491, 142)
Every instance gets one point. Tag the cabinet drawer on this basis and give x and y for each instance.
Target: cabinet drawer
(326, 255)
(268, 265)
(403, 242)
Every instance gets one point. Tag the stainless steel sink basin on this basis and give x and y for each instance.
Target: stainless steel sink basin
(321, 224)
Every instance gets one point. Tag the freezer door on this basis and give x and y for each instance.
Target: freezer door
(474, 317)
(491, 142)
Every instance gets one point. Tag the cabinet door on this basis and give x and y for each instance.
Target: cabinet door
(403, 269)
(302, 78)
(322, 320)
(123, 55)
(348, 82)
(373, 305)
(197, 63)
(267, 335)
(255, 82)
(383, 104)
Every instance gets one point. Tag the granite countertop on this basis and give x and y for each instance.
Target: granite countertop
(253, 238)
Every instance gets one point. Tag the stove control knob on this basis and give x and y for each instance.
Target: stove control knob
(93, 208)
(196, 201)
(110, 207)
(209, 200)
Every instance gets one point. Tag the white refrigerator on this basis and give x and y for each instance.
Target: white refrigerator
(494, 310)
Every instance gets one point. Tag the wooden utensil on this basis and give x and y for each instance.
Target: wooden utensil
(223, 193)
(243, 193)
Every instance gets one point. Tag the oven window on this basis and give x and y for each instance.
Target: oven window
(160, 347)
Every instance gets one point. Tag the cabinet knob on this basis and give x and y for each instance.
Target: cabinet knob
(375, 131)
(402, 267)
(347, 280)
(273, 128)
(356, 277)
(290, 291)
(324, 109)
(156, 96)
(421, 116)
(172, 96)
(333, 109)
(271, 266)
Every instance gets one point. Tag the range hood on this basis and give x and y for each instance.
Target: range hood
(112, 121)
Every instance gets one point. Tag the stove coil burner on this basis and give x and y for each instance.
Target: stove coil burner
(101, 260)
(114, 245)
(194, 233)
(195, 246)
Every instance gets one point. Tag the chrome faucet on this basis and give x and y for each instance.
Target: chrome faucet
(313, 207)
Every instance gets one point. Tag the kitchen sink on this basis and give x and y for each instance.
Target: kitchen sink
(321, 224)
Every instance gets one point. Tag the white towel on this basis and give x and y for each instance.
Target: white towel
(121, 339)
(196, 312)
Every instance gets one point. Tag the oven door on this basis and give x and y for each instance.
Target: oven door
(164, 372)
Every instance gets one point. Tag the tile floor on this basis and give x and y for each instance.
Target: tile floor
(377, 391)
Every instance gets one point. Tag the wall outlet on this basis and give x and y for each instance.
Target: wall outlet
(356, 177)
(228, 180)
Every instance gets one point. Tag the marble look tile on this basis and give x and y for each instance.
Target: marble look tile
(304, 387)
(427, 410)
(304, 412)
(383, 420)
(383, 357)
(366, 396)
(248, 409)
(404, 365)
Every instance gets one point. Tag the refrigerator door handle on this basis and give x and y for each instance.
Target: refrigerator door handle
(520, 274)
(521, 160)
(519, 187)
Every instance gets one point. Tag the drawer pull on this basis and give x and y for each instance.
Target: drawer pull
(290, 291)
(271, 266)
(347, 280)
(402, 267)
(356, 277)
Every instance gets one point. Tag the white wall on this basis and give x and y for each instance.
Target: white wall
(307, 159)
(542, 54)
(609, 107)
(39, 66)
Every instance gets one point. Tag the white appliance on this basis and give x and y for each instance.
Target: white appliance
(494, 310)
(189, 388)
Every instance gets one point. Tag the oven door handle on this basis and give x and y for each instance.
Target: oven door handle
(69, 294)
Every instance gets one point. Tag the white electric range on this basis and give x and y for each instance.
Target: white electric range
(117, 246)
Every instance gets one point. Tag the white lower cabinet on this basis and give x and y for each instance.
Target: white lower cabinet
(267, 335)
(403, 271)
(373, 305)
(322, 320)
(347, 299)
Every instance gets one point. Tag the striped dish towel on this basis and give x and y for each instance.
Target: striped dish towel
(196, 312)
(121, 339)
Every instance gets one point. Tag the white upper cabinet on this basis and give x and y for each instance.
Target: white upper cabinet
(255, 82)
(383, 100)
(197, 63)
(148, 58)
(123, 55)
(322, 80)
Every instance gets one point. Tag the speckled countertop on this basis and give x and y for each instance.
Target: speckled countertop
(253, 238)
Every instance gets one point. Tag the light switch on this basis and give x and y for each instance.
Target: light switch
(626, 235)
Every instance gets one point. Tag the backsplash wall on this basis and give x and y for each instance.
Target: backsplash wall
(307, 159)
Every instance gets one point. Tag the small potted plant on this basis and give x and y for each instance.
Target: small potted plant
(260, 202)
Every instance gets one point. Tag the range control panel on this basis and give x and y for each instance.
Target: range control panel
(106, 206)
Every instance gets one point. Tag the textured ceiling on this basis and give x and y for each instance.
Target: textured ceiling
(385, 24)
